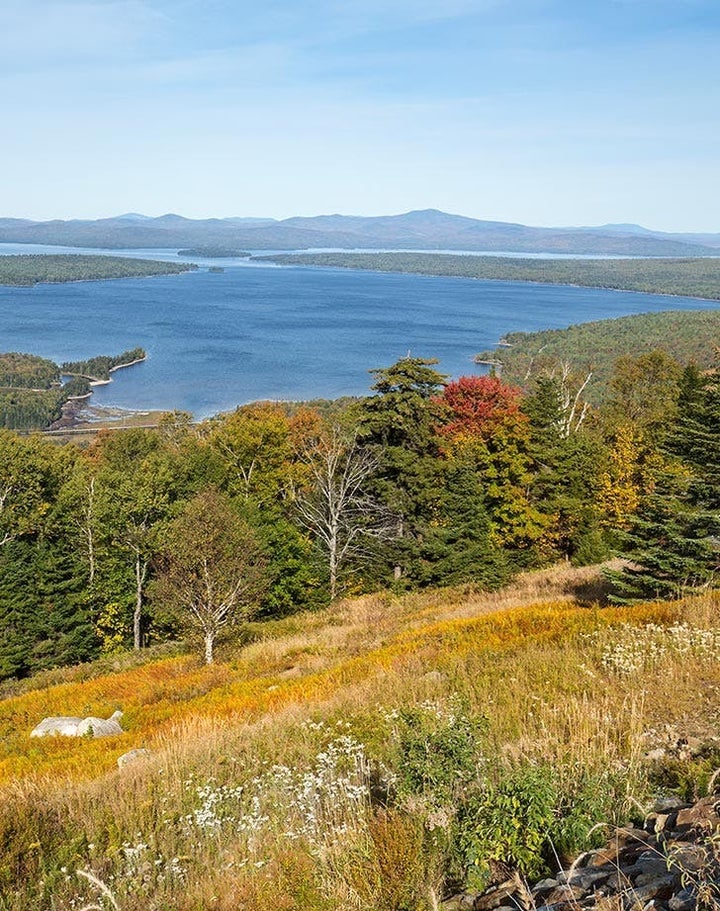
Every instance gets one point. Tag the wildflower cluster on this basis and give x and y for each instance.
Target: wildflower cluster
(213, 806)
(142, 871)
(633, 649)
(315, 804)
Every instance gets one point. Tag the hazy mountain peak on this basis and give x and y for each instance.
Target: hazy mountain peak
(418, 229)
(629, 228)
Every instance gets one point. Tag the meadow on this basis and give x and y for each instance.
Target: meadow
(362, 756)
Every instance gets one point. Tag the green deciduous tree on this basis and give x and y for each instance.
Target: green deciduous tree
(211, 573)
(138, 485)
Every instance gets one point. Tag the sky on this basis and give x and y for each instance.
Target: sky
(545, 112)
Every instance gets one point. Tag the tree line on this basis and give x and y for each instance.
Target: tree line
(185, 530)
(100, 367)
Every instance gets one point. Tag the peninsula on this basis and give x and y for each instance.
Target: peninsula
(686, 277)
(26, 270)
(33, 396)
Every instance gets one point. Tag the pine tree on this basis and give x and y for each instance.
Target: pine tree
(460, 546)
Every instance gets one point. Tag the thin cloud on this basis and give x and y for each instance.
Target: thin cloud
(48, 31)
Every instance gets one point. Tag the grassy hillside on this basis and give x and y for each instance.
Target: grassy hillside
(686, 277)
(29, 269)
(688, 335)
(347, 758)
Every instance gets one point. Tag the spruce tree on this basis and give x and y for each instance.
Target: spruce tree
(668, 543)
(398, 425)
(673, 541)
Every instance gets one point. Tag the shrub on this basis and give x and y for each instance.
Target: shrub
(533, 816)
(439, 751)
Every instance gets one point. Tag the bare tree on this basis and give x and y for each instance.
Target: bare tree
(334, 506)
(573, 409)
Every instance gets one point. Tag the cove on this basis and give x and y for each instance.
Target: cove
(216, 340)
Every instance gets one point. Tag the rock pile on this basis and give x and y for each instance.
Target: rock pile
(671, 864)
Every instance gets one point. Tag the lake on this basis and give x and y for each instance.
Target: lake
(261, 331)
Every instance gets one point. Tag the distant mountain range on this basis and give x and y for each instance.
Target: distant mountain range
(428, 229)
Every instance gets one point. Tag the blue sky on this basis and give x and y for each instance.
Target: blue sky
(551, 112)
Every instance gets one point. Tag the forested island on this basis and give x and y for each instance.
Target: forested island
(32, 394)
(26, 270)
(687, 277)
(214, 252)
(594, 349)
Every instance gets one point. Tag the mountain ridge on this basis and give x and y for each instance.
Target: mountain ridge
(429, 229)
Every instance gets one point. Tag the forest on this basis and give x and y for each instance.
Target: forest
(188, 531)
(25, 270)
(687, 335)
(31, 392)
(689, 277)
(27, 371)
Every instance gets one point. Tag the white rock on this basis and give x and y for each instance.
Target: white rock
(66, 727)
(131, 757)
(79, 727)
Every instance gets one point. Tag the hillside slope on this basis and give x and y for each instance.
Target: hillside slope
(687, 335)
(341, 758)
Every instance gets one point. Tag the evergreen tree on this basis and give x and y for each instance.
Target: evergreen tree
(460, 546)
(669, 543)
(398, 425)
(565, 473)
(674, 540)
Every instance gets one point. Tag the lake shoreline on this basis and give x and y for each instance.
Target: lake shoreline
(95, 381)
(477, 278)
(105, 278)
(71, 412)
(290, 334)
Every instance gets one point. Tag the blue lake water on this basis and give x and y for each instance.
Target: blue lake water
(217, 340)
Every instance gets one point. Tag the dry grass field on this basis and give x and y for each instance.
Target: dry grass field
(356, 757)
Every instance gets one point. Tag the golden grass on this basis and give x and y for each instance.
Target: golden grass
(520, 657)
(322, 653)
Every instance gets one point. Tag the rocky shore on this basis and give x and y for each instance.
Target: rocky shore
(672, 863)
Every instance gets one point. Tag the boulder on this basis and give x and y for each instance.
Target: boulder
(666, 866)
(79, 727)
(131, 757)
(64, 726)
